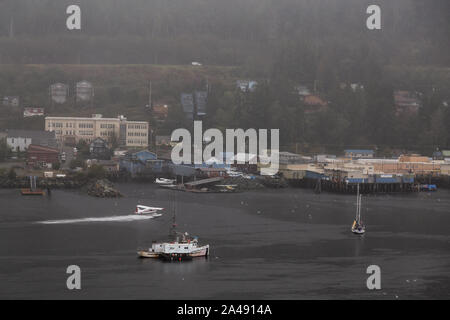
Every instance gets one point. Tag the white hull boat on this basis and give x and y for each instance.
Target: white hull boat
(180, 247)
(163, 181)
(358, 226)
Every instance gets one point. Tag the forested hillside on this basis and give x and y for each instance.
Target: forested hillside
(322, 44)
(223, 32)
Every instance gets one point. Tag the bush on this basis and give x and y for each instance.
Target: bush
(75, 163)
(5, 151)
(96, 172)
(12, 174)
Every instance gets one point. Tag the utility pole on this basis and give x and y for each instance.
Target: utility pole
(150, 103)
(11, 27)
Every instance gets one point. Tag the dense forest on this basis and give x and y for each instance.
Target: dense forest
(280, 43)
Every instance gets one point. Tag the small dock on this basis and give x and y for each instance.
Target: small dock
(342, 182)
(30, 192)
(33, 190)
(204, 186)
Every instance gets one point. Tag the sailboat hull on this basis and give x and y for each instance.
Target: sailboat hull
(357, 231)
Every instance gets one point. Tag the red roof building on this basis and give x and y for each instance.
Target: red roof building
(314, 103)
(41, 156)
(406, 102)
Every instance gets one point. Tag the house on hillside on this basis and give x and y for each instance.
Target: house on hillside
(314, 104)
(33, 112)
(407, 102)
(11, 101)
(246, 85)
(302, 90)
(99, 148)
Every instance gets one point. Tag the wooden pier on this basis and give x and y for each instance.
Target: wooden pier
(339, 183)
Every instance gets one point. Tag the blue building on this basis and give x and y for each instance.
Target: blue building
(142, 162)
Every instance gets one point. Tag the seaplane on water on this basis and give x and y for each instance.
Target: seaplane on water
(144, 210)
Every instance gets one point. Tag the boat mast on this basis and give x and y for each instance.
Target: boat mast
(173, 231)
(357, 204)
(359, 208)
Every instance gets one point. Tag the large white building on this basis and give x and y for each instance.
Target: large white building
(70, 130)
(20, 140)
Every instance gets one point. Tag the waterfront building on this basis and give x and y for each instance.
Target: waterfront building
(359, 153)
(42, 156)
(141, 163)
(70, 130)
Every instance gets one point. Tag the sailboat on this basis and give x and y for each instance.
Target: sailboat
(358, 226)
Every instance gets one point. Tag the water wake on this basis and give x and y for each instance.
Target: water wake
(127, 218)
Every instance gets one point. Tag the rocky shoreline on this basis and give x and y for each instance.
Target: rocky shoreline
(104, 188)
(101, 188)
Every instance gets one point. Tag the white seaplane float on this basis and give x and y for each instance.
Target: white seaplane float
(144, 210)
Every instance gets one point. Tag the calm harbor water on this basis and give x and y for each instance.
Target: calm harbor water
(270, 244)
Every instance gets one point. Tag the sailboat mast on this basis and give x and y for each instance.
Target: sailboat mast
(359, 208)
(173, 230)
(357, 204)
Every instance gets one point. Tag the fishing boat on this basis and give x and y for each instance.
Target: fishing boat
(33, 190)
(358, 226)
(181, 246)
(144, 210)
(163, 181)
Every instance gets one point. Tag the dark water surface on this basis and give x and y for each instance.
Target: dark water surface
(271, 244)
